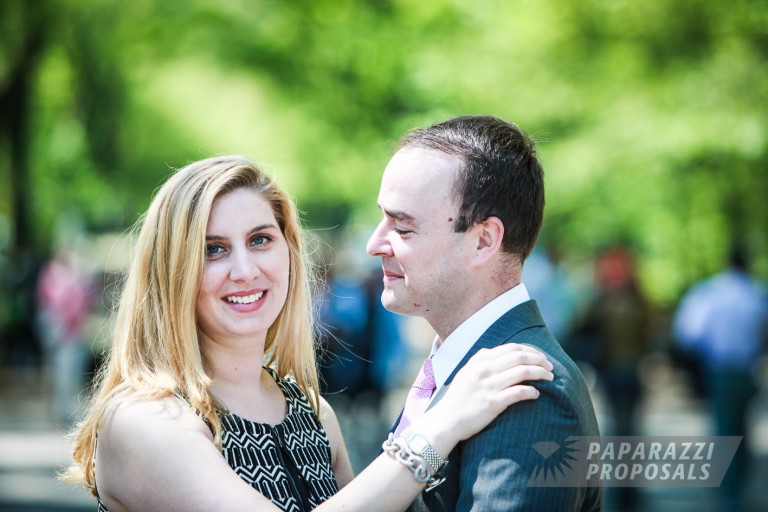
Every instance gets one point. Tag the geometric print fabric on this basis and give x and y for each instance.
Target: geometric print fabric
(289, 463)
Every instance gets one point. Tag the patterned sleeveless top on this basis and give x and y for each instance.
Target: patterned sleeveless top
(289, 463)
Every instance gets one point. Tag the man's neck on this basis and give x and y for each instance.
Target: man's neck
(448, 352)
(448, 322)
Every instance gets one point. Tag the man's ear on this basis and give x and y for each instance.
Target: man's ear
(489, 235)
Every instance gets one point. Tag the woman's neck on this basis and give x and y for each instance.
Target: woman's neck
(237, 366)
(240, 383)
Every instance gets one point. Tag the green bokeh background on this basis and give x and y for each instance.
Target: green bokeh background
(650, 116)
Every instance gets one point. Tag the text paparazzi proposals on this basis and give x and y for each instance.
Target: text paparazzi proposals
(634, 461)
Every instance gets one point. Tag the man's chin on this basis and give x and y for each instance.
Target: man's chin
(398, 304)
(389, 301)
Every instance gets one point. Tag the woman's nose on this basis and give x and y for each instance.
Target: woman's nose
(245, 266)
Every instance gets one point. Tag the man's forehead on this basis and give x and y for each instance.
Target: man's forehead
(425, 158)
(418, 184)
(420, 172)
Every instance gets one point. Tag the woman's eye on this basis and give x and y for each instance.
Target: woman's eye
(260, 240)
(213, 249)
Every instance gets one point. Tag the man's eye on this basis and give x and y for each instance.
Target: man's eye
(401, 231)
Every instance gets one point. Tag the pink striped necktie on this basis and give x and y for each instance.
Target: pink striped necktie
(418, 396)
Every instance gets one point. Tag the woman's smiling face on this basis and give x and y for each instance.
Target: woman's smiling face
(246, 271)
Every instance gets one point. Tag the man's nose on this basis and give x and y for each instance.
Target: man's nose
(377, 243)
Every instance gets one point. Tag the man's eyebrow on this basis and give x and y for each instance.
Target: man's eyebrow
(400, 216)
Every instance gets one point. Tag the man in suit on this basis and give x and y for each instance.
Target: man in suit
(462, 204)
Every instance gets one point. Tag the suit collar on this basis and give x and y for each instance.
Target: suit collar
(517, 319)
(457, 344)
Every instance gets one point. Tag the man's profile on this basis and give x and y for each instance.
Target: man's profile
(462, 204)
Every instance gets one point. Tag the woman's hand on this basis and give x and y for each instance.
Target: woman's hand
(489, 383)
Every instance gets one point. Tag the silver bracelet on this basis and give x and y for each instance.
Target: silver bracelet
(421, 446)
(398, 449)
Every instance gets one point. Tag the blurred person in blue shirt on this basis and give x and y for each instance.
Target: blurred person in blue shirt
(722, 324)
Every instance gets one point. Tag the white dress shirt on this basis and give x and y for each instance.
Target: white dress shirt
(448, 354)
(724, 320)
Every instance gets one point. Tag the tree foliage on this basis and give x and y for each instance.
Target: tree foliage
(650, 115)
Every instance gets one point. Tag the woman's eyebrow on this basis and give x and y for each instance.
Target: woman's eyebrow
(260, 227)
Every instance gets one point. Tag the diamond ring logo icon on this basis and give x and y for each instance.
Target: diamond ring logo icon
(546, 448)
(557, 464)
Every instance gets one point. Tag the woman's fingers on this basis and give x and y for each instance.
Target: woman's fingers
(490, 382)
(519, 374)
(493, 403)
(515, 394)
(508, 350)
(492, 362)
(518, 358)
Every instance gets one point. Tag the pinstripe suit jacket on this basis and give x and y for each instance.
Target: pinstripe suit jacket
(490, 471)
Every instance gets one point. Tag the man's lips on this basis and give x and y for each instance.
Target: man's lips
(388, 274)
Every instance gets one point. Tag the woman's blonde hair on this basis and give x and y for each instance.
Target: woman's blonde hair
(155, 350)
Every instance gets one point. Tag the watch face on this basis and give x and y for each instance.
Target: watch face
(417, 443)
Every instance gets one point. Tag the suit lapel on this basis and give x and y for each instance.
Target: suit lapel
(519, 318)
(397, 421)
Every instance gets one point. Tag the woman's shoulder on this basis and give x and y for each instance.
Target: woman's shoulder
(153, 418)
(147, 442)
(326, 411)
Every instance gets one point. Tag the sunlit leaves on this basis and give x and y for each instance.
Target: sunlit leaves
(650, 116)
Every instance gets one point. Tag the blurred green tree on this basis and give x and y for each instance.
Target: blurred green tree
(650, 116)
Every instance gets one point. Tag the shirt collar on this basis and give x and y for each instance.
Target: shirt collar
(458, 343)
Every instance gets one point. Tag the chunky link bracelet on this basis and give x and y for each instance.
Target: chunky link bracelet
(420, 446)
(399, 450)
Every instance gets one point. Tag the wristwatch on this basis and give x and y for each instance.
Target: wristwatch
(421, 447)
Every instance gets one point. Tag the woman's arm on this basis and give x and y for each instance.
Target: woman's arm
(342, 468)
(159, 455)
(483, 389)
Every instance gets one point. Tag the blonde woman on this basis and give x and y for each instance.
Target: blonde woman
(209, 399)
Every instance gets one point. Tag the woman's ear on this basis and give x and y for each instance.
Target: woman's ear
(490, 233)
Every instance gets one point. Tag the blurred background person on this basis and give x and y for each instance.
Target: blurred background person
(722, 325)
(65, 300)
(614, 336)
(549, 281)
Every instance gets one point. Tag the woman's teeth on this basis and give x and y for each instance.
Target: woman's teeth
(247, 299)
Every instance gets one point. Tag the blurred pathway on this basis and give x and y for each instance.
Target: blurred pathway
(33, 448)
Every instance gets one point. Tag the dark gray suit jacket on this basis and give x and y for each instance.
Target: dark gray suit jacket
(491, 470)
